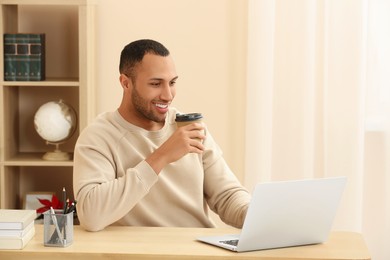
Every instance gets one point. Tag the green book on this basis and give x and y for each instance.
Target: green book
(24, 57)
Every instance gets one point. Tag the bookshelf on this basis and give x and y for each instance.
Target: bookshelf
(69, 29)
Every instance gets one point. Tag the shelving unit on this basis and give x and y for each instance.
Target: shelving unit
(69, 28)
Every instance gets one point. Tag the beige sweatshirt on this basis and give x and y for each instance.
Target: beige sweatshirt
(113, 184)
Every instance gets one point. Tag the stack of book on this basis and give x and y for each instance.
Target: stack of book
(24, 57)
(16, 228)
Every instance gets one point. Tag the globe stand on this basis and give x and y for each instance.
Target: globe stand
(57, 154)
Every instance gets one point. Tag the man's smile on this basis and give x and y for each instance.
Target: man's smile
(162, 107)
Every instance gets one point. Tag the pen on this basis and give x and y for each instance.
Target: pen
(67, 206)
(72, 206)
(54, 219)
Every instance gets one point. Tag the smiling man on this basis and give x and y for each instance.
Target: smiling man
(133, 166)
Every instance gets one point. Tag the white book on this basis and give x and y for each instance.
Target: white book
(4, 233)
(16, 218)
(17, 242)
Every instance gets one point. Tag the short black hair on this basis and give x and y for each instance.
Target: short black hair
(134, 52)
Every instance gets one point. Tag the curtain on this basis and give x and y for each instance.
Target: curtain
(318, 103)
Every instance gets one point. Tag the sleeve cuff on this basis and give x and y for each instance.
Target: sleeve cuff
(146, 175)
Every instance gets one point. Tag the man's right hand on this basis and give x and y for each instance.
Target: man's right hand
(186, 139)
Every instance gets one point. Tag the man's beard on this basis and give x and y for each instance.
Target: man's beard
(141, 106)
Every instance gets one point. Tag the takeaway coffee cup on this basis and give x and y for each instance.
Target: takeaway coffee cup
(185, 119)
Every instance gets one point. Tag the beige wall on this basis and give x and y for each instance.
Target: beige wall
(208, 42)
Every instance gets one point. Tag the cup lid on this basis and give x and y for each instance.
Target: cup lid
(188, 117)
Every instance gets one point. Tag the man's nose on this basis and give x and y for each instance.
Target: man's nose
(166, 93)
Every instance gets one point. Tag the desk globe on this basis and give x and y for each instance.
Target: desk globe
(55, 122)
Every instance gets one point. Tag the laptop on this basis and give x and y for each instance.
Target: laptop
(285, 214)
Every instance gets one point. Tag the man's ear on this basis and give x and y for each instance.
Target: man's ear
(125, 81)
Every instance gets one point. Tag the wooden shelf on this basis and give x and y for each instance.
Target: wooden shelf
(34, 159)
(48, 2)
(70, 66)
(49, 82)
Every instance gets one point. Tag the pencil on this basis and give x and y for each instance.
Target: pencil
(64, 199)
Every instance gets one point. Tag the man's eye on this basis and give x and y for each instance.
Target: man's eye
(173, 83)
(155, 84)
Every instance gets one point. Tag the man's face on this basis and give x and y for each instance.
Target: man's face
(154, 87)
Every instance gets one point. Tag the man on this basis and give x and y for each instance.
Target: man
(134, 167)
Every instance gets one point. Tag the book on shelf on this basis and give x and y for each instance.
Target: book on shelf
(16, 219)
(16, 242)
(24, 56)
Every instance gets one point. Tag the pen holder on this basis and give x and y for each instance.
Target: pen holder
(58, 229)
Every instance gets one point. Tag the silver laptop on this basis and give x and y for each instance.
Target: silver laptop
(287, 213)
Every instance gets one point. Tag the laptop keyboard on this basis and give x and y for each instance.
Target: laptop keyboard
(232, 242)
